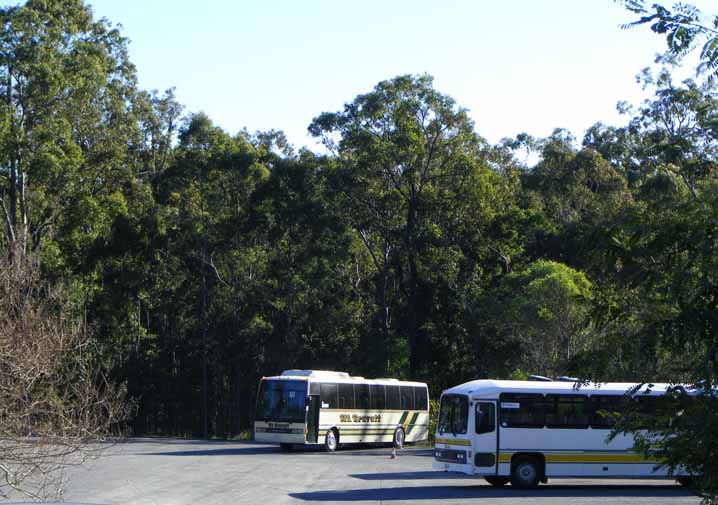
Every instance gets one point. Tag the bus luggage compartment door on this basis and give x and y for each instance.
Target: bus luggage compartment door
(313, 418)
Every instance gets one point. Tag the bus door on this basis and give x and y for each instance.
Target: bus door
(485, 437)
(313, 405)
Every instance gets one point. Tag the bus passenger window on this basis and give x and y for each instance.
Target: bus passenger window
(346, 396)
(378, 397)
(421, 399)
(407, 398)
(567, 411)
(485, 417)
(522, 410)
(328, 396)
(361, 393)
(605, 409)
(393, 398)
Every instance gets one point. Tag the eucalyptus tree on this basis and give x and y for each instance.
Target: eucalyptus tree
(65, 122)
(542, 313)
(413, 171)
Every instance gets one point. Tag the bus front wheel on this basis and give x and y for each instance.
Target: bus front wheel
(525, 473)
(331, 441)
(399, 438)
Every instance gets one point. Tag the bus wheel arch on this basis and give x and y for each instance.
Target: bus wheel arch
(331, 440)
(527, 470)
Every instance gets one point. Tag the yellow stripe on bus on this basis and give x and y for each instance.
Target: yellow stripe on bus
(452, 441)
(586, 458)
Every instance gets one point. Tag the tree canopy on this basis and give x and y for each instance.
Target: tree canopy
(197, 261)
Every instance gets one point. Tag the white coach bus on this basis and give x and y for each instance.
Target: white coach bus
(526, 431)
(318, 407)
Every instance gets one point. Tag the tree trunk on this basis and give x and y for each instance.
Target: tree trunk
(415, 344)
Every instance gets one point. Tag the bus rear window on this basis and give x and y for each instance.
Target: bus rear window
(282, 400)
(453, 415)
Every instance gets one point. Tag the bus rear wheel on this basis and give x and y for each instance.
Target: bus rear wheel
(525, 473)
(331, 441)
(497, 481)
(399, 438)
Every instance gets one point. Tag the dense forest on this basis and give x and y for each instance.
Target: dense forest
(409, 246)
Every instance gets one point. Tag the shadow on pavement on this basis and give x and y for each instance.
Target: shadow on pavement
(474, 492)
(348, 450)
(174, 441)
(429, 475)
(229, 451)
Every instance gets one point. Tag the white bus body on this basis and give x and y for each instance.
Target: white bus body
(319, 407)
(526, 432)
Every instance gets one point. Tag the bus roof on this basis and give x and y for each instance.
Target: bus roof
(343, 377)
(488, 387)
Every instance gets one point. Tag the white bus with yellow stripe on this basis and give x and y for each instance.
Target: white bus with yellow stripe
(525, 431)
(315, 407)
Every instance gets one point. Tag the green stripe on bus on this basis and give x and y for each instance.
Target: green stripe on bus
(403, 417)
(411, 423)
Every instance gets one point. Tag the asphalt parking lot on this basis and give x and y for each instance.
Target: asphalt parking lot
(168, 472)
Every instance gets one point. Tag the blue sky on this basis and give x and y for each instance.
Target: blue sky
(517, 65)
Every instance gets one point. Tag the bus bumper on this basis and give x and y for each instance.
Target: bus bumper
(279, 433)
(443, 466)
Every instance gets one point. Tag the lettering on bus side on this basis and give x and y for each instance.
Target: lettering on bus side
(354, 418)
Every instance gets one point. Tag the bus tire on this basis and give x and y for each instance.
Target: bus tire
(399, 438)
(525, 473)
(331, 440)
(497, 481)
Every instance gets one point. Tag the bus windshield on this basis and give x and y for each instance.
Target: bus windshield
(453, 414)
(281, 400)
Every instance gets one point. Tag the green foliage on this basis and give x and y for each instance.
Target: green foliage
(412, 248)
(518, 375)
(685, 28)
(543, 311)
(433, 416)
(412, 172)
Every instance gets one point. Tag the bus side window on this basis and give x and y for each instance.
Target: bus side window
(485, 417)
(421, 400)
(393, 398)
(604, 409)
(361, 393)
(407, 398)
(346, 396)
(315, 388)
(328, 396)
(522, 410)
(567, 411)
(378, 397)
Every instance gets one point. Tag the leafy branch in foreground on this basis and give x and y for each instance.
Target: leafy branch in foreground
(667, 428)
(55, 403)
(685, 28)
